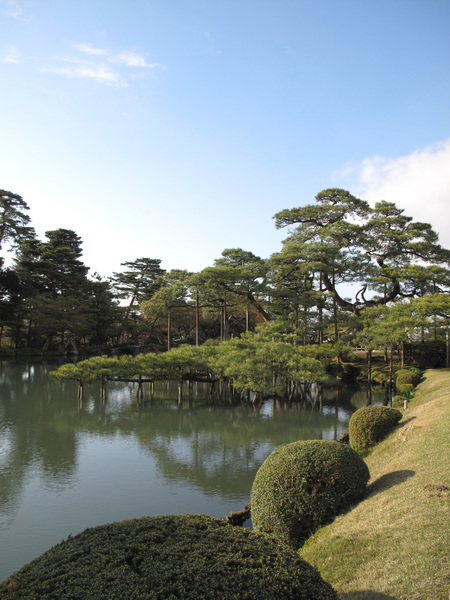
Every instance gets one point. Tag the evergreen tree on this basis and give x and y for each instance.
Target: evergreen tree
(348, 242)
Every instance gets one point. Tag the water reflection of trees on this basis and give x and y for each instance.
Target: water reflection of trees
(209, 442)
(29, 407)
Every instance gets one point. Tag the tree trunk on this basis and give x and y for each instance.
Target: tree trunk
(335, 319)
(320, 336)
(197, 318)
(447, 357)
(225, 323)
(168, 330)
(369, 365)
(391, 372)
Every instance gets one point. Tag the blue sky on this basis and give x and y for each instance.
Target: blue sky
(174, 129)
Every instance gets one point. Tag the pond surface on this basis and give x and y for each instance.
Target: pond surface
(65, 466)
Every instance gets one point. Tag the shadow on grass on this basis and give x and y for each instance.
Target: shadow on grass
(365, 596)
(387, 481)
(405, 422)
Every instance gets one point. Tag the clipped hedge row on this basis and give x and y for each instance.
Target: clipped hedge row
(187, 557)
(369, 425)
(304, 485)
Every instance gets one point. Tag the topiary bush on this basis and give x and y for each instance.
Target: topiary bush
(369, 425)
(304, 485)
(399, 401)
(406, 380)
(405, 389)
(408, 376)
(189, 557)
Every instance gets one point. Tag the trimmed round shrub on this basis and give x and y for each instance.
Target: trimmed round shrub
(411, 377)
(304, 485)
(406, 380)
(406, 389)
(371, 424)
(399, 401)
(190, 557)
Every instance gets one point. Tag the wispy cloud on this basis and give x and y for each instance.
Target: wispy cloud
(131, 58)
(13, 9)
(103, 65)
(12, 56)
(87, 70)
(418, 183)
(88, 49)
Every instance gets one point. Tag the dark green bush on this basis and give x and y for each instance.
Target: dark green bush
(349, 373)
(304, 485)
(369, 425)
(426, 355)
(187, 557)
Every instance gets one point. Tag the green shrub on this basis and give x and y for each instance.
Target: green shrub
(407, 376)
(379, 377)
(399, 401)
(190, 557)
(369, 425)
(409, 370)
(304, 485)
(404, 388)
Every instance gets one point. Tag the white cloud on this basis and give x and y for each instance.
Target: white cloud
(85, 69)
(88, 49)
(102, 65)
(131, 58)
(419, 183)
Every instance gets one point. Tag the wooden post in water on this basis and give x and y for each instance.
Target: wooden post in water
(140, 392)
(103, 390)
(80, 395)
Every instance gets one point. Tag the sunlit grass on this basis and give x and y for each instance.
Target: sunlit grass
(395, 544)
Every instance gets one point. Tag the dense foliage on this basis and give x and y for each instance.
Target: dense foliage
(255, 362)
(50, 302)
(304, 485)
(369, 425)
(190, 557)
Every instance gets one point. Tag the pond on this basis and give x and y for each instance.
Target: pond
(65, 466)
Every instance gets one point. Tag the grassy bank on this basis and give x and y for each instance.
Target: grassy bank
(395, 544)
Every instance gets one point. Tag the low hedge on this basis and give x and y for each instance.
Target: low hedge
(369, 425)
(304, 485)
(187, 557)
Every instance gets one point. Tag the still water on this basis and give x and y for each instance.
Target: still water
(65, 466)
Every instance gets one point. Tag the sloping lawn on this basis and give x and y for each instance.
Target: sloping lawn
(395, 544)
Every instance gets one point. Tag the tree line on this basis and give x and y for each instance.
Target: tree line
(346, 273)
